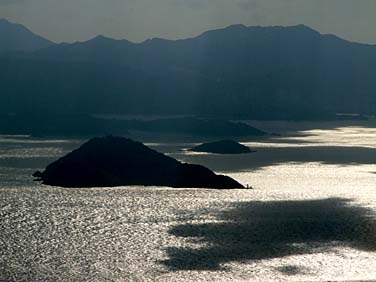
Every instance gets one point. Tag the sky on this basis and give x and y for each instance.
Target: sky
(138, 20)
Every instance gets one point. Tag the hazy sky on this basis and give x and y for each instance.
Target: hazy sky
(137, 20)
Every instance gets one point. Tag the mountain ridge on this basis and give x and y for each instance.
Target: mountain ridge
(4, 21)
(17, 37)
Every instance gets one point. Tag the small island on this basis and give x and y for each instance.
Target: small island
(117, 161)
(222, 147)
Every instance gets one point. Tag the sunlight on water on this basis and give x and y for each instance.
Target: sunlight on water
(347, 137)
(309, 217)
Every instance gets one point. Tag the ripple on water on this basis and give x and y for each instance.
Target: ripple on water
(304, 220)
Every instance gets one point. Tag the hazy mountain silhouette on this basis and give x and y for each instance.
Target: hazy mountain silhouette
(257, 72)
(81, 125)
(16, 37)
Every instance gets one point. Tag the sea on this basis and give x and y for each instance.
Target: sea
(310, 214)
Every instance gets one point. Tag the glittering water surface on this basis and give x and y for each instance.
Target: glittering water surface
(310, 217)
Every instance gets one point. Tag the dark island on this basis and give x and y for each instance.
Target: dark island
(116, 161)
(222, 147)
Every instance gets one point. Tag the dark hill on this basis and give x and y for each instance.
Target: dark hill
(16, 37)
(222, 147)
(115, 161)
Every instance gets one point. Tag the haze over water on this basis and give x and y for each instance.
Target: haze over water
(310, 217)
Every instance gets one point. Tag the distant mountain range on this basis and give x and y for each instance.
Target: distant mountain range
(253, 72)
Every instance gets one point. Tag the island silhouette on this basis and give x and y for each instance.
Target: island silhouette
(117, 161)
(222, 147)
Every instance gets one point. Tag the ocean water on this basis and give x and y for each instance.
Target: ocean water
(311, 215)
